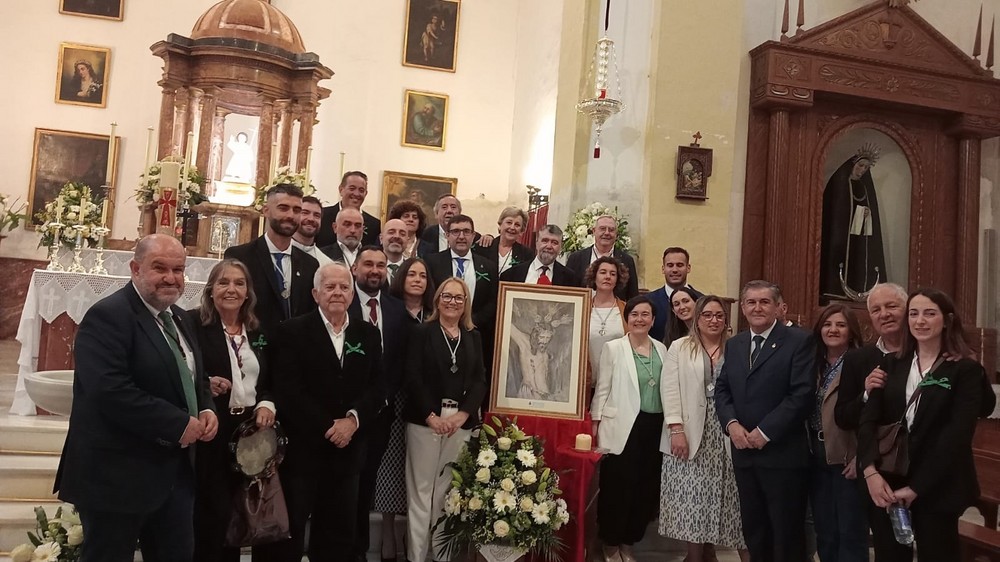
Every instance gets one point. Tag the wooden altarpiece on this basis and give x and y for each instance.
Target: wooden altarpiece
(879, 68)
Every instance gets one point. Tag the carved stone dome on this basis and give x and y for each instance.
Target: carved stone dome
(249, 20)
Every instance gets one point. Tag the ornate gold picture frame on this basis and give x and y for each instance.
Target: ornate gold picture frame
(82, 75)
(419, 189)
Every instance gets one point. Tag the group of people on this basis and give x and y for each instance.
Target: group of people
(371, 345)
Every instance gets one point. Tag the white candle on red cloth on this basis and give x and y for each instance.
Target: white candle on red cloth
(584, 442)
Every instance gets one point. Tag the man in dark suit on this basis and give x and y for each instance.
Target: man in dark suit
(377, 307)
(434, 239)
(327, 369)
(349, 228)
(282, 274)
(544, 269)
(763, 396)
(140, 400)
(353, 190)
(605, 235)
(676, 267)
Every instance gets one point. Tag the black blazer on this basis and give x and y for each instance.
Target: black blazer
(858, 364)
(255, 256)
(335, 252)
(941, 472)
(395, 333)
(561, 275)
(519, 253)
(579, 261)
(122, 452)
(428, 366)
(326, 235)
(312, 388)
(429, 241)
(663, 309)
(484, 305)
(776, 395)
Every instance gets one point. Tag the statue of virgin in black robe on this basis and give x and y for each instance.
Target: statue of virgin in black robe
(852, 232)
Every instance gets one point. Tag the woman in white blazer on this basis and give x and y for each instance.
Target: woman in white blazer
(699, 503)
(628, 417)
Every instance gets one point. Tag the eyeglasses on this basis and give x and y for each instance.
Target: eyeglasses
(448, 297)
(461, 231)
(709, 316)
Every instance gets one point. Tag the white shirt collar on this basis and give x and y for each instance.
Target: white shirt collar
(272, 249)
(329, 325)
(766, 333)
(307, 249)
(149, 307)
(364, 297)
(467, 256)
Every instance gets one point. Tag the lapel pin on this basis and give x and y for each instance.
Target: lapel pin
(774, 345)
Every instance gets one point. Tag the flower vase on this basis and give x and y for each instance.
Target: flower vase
(501, 552)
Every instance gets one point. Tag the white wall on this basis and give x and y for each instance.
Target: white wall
(361, 41)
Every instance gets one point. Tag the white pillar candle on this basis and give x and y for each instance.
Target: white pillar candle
(145, 163)
(104, 213)
(309, 157)
(343, 158)
(59, 208)
(584, 442)
(111, 154)
(274, 162)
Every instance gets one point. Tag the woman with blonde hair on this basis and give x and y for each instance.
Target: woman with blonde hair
(699, 502)
(506, 249)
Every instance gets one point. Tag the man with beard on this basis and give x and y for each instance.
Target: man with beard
(305, 237)
(393, 240)
(282, 274)
(435, 237)
(349, 227)
(353, 190)
(676, 267)
(544, 269)
(377, 307)
(605, 235)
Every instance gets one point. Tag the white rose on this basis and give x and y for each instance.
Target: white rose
(501, 528)
(74, 537)
(507, 484)
(22, 553)
(483, 475)
(69, 514)
(486, 458)
(526, 504)
(504, 443)
(528, 477)
(526, 457)
(475, 504)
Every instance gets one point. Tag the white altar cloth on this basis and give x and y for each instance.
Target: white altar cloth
(116, 262)
(52, 293)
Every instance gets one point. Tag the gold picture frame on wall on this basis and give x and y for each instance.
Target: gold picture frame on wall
(430, 39)
(82, 75)
(103, 9)
(59, 157)
(425, 119)
(416, 188)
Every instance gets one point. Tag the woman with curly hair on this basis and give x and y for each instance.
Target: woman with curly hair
(415, 219)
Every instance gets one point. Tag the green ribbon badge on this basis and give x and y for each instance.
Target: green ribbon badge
(482, 276)
(353, 348)
(942, 382)
(259, 342)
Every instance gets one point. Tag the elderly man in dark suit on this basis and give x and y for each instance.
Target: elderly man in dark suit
(327, 369)
(374, 305)
(544, 269)
(676, 266)
(353, 191)
(763, 396)
(282, 274)
(605, 235)
(140, 400)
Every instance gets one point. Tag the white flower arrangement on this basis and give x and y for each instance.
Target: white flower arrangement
(578, 234)
(54, 540)
(503, 494)
(284, 174)
(148, 192)
(73, 214)
(11, 217)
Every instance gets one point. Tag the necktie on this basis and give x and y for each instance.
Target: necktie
(279, 274)
(393, 268)
(758, 342)
(543, 279)
(460, 268)
(373, 312)
(187, 380)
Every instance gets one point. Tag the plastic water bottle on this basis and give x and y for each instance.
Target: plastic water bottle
(901, 526)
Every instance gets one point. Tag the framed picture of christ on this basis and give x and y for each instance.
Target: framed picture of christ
(540, 363)
(430, 39)
(104, 9)
(59, 157)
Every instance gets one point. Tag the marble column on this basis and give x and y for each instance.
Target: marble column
(266, 137)
(167, 109)
(205, 134)
(194, 123)
(178, 134)
(284, 109)
(307, 120)
(218, 144)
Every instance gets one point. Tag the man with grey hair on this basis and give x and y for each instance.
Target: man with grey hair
(350, 228)
(544, 269)
(140, 400)
(327, 370)
(763, 395)
(605, 236)
(434, 239)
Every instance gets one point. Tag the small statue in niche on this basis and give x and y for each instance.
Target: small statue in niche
(852, 258)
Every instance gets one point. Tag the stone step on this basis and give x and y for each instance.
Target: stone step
(27, 477)
(17, 518)
(33, 434)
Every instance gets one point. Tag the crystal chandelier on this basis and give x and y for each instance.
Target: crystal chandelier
(603, 105)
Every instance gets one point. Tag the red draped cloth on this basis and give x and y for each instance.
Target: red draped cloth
(536, 220)
(576, 473)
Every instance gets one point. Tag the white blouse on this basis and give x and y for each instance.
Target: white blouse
(245, 372)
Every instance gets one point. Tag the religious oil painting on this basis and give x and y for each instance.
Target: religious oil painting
(63, 156)
(104, 9)
(540, 365)
(431, 36)
(425, 119)
(416, 188)
(82, 75)
(865, 216)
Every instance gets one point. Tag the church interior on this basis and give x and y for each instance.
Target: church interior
(767, 97)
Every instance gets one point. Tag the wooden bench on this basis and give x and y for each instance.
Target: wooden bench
(979, 544)
(982, 543)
